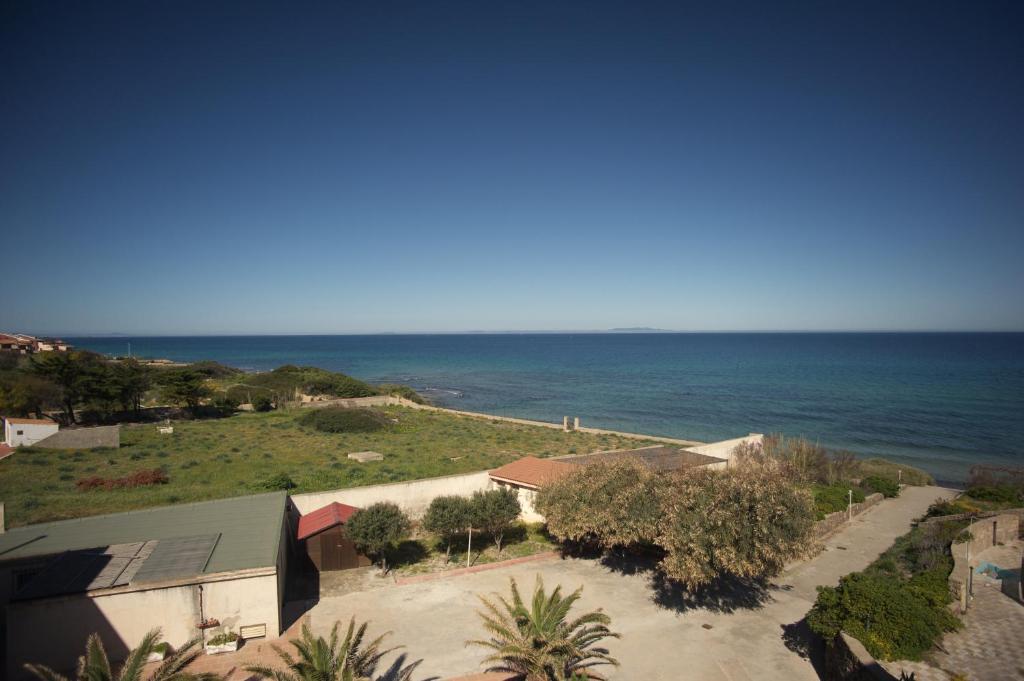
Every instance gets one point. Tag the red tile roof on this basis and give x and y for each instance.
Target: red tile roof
(323, 518)
(5, 450)
(531, 471)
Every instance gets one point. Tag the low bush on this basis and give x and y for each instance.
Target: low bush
(281, 481)
(262, 403)
(154, 476)
(342, 420)
(890, 470)
(884, 486)
(1003, 494)
(893, 618)
(832, 498)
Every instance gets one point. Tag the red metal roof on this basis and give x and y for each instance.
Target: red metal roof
(323, 518)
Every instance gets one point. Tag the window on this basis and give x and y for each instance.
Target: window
(21, 432)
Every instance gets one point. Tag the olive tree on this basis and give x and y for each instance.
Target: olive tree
(494, 511)
(746, 521)
(377, 528)
(447, 517)
(610, 504)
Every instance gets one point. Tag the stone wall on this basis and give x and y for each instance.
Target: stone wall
(833, 521)
(846, 659)
(985, 533)
(83, 438)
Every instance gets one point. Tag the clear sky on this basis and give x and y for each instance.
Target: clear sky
(214, 167)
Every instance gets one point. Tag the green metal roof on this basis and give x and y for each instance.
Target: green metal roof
(250, 531)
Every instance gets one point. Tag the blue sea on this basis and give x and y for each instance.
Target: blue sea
(941, 401)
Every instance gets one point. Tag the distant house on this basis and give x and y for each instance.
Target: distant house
(526, 476)
(23, 344)
(24, 432)
(192, 569)
(327, 545)
(20, 345)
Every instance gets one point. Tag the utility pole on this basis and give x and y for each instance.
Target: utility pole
(469, 546)
(849, 507)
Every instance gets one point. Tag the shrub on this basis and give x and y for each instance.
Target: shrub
(342, 420)
(154, 476)
(908, 475)
(1004, 494)
(610, 504)
(262, 403)
(377, 528)
(281, 481)
(448, 517)
(832, 498)
(894, 620)
(884, 486)
(401, 391)
(746, 522)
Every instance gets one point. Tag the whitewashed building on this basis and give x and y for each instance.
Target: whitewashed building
(25, 432)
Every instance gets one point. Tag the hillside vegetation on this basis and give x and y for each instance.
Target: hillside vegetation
(215, 458)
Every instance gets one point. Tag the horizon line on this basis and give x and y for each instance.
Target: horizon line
(610, 332)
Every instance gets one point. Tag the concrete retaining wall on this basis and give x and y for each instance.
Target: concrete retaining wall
(985, 533)
(833, 521)
(83, 438)
(846, 659)
(413, 497)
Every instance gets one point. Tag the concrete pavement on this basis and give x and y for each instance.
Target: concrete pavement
(727, 635)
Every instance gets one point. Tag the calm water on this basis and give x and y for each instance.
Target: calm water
(939, 401)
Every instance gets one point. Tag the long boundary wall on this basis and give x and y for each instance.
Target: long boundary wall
(413, 497)
(833, 521)
(387, 400)
(83, 438)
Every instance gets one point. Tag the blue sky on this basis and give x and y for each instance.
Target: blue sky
(197, 167)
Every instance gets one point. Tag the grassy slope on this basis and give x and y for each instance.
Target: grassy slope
(229, 457)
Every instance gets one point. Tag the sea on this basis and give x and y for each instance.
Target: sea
(940, 401)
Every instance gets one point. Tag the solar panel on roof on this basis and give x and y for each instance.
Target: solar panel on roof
(177, 558)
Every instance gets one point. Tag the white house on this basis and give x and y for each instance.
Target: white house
(24, 432)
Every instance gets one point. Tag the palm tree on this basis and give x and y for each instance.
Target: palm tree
(94, 665)
(538, 643)
(322, 659)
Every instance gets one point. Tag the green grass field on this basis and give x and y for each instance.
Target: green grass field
(232, 456)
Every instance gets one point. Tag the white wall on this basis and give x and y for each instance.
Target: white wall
(53, 631)
(30, 433)
(724, 449)
(412, 497)
(527, 499)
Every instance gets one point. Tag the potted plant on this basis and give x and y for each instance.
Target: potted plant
(160, 652)
(225, 642)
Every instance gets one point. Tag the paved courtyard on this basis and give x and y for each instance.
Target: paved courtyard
(733, 634)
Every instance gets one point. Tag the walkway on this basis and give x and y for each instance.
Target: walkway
(737, 633)
(988, 648)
